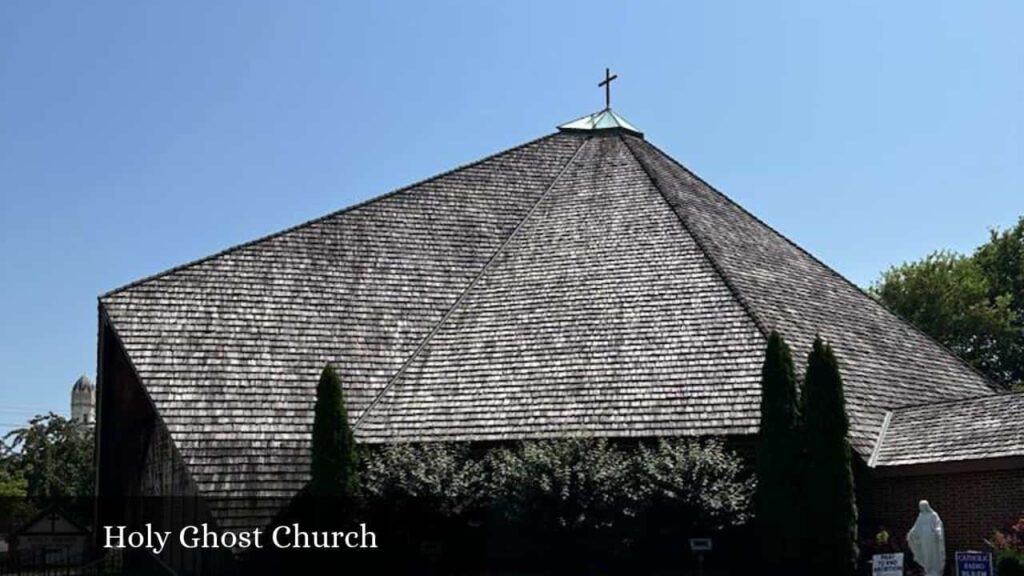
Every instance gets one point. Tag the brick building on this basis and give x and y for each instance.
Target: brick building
(966, 457)
(584, 283)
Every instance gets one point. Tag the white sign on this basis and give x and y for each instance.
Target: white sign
(887, 564)
(700, 544)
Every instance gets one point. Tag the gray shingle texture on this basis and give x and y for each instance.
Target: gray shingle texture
(885, 361)
(973, 429)
(601, 316)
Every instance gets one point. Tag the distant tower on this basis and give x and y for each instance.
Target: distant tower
(83, 401)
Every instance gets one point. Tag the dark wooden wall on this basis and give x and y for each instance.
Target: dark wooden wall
(141, 476)
(125, 419)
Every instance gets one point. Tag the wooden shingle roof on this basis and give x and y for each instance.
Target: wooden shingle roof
(578, 284)
(954, 431)
(601, 315)
(885, 361)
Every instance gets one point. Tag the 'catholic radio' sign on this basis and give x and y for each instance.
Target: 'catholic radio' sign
(973, 564)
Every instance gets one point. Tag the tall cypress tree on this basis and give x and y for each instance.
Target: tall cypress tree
(334, 458)
(778, 496)
(831, 544)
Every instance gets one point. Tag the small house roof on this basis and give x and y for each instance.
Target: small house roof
(981, 428)
(50, 520)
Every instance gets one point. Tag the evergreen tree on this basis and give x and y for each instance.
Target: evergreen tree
(831, 510)
(330, 503)
(334, 458)
(779, 462)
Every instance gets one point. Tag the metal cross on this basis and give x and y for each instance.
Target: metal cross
(608, 77)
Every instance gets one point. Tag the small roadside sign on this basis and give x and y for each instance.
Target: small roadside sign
(972, 563)
(700, 544)
(887, 564)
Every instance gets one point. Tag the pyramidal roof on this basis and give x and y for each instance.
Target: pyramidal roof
(584, 283)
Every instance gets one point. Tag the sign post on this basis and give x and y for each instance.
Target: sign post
(972, 563)
(887, 564)
(699, 546)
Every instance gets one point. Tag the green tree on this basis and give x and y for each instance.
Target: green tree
(334, 458)
(972, 304)
(52, 457)
(778, 498)
(830, 544)
(330, 502)
(1001, 259)
(12, 483)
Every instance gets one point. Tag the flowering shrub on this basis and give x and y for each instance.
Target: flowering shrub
(579, 499)
(569, 483)
(1009, 546)
(444, 478)
(1012, 539)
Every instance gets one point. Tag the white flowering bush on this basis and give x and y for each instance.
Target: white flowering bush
(578, 499)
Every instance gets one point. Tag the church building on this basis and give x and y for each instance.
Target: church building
(583, 283)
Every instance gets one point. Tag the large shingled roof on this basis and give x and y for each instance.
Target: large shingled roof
(583, 283)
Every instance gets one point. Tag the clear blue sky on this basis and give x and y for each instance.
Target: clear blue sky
(136, 136)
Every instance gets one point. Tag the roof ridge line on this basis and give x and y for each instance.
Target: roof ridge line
(469, 287)
(996, 388)
(946, 401)
(319, 219)
(873, 459)
(700, 244)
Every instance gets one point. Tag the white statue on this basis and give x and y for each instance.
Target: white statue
(927, 541)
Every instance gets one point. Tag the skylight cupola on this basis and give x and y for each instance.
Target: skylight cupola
(605, 119)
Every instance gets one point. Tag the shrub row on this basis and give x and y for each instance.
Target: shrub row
(561, 502)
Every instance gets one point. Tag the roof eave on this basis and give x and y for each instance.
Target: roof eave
(599, 131)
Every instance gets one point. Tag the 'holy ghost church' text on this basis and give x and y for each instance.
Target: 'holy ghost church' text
(285, 537)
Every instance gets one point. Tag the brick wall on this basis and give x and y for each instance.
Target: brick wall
(971, 504)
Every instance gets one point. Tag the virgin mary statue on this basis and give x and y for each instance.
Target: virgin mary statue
(927, 541)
